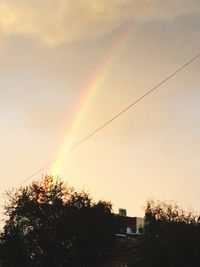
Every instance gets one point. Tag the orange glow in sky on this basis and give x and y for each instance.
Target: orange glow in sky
(68, 66)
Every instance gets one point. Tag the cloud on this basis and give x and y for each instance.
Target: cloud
(54, 22)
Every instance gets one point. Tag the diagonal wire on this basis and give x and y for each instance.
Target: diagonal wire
(113, 118)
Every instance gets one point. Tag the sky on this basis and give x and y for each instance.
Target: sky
(68, 66)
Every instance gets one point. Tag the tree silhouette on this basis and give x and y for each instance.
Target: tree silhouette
(171, 236)
(50, 224)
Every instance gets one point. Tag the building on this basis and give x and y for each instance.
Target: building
(129, 240)
(129, 225)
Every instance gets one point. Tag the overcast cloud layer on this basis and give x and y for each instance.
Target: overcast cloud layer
(54, 22)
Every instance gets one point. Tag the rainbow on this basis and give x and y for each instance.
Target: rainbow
(90, 91)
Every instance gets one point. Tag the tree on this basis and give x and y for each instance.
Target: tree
(171, 236)
(50, 224)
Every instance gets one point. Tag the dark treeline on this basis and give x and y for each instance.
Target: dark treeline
(171, 236)
(51, 224)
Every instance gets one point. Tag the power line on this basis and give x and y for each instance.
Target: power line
(112, 119)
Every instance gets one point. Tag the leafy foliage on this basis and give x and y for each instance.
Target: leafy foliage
(171, 236)
(50, 224)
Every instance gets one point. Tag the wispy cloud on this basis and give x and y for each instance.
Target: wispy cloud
(54, 22)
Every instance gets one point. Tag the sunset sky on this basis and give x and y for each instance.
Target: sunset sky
(68, 66)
